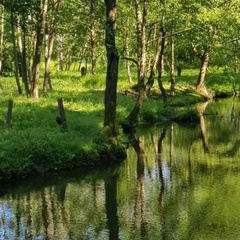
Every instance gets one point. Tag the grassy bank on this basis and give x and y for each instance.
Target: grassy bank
(35, 143)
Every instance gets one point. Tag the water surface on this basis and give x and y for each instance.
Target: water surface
(179, 182)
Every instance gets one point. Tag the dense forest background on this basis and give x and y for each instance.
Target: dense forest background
(147, 37)
(72, 33)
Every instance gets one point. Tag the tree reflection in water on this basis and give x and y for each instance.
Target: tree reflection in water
(179, 182)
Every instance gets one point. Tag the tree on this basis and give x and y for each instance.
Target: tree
(141, 18)
(110, 100)
(16, 57)
(93, 36)
(41, 13)
(50, 37)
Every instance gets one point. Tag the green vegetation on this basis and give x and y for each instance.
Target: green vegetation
(35, 142)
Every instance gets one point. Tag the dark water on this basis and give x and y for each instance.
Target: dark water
(179, 182)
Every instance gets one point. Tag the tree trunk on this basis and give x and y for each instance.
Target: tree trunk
(154, 64)
(93, 38)
(37, 53)
(128, 63)
(141, 39)
(16, 60)
(110, 100)
(204, 59)
(161, 63)
(60, 55)
(23, 57)
(47, 84)
(172, 63)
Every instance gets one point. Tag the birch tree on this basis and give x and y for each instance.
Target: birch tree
(51, 28)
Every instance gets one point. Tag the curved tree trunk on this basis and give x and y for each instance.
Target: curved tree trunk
(110, 100)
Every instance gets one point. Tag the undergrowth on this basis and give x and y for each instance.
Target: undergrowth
(36, 143)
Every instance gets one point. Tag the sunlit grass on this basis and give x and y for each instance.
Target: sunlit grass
(35, 134)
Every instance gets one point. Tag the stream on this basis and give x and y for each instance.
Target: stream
(178, 182)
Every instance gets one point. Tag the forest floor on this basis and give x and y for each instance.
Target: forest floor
(35, 143)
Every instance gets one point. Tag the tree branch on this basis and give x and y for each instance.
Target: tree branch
(131, 59)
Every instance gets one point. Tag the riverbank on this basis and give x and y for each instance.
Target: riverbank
(36, 144)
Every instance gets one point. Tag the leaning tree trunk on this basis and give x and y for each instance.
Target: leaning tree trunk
(204, 60)
(37, 53)
(110, 100)
(154, 64)
(141, 39)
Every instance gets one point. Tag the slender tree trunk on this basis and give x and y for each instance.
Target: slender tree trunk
(37, 54)
(161, 63)
(128, 63)
(172, 67)
(110, 100)
(154, 64)
(141, 39)
(16, 60)
(93, 38)
(23, 57)
(60, 55)
(47, 84)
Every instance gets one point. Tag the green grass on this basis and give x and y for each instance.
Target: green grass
(35, 142)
